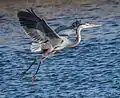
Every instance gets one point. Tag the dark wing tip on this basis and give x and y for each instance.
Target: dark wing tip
(28, 18)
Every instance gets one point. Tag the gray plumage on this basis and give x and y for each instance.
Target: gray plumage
(38, 29)
(46, 38)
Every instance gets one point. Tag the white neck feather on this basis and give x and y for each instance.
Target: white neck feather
(78, 39)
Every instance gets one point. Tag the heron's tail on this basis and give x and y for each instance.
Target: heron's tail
(35, 47)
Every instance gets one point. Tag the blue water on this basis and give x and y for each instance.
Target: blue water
(91, 70)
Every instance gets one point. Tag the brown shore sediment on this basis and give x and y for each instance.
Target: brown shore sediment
(16, 4)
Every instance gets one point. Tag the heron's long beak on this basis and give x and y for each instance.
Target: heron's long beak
(87, 25)
(95, 25)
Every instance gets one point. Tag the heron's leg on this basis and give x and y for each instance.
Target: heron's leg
(45, 57)
(42, 57)
(46, 54)
(23, 73)
(48, 51)
(33, 78)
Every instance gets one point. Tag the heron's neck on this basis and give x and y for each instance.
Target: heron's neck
(78, 38)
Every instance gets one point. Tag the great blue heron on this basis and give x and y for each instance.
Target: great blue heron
(46, 40)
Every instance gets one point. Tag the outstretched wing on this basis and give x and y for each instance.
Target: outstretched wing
(36, 27)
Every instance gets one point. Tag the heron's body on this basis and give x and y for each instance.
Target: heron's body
(47, 40)
(42, 35)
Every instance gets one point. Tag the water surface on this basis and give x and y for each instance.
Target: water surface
(91, 70)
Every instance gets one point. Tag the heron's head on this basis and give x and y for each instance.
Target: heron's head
(87, 25)
(76, 24)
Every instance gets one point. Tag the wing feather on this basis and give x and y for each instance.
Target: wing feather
(35, 27)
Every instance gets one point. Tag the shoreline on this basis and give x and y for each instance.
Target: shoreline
(13, 4)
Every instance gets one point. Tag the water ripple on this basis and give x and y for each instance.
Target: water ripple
(90, 70)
